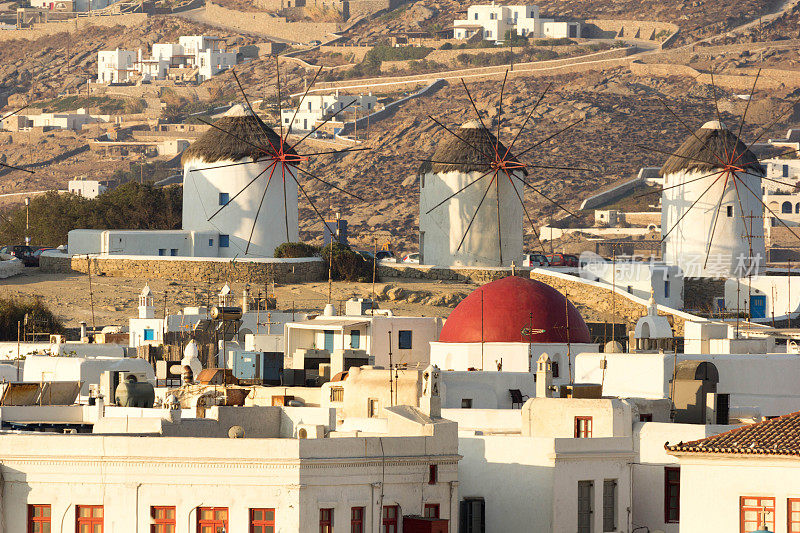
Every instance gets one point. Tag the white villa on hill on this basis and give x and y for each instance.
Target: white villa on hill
(494, 21)
(200, 55)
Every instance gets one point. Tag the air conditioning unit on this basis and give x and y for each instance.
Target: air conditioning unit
(56, 339)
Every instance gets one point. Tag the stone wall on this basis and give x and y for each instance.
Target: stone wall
(213, 270)
(268, 24)
(699, 293)
(44, 29)
(628, 29)
(770, 78)
(388, 271)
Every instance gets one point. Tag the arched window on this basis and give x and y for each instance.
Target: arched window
(786, 207)
(797, 208)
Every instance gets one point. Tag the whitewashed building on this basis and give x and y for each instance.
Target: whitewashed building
(360, 334)
(315, 108)
(282, 470)
(87, 188)
(742, 480)
(201, 54)
(639, 278)
(115, 66)
(494, 21)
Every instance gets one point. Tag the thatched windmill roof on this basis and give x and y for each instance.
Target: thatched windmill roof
(225, 143)
(709, 144)
(461, 156)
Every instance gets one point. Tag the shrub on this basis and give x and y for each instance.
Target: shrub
(446, 46)
(13, 311)
(347, 265)
(296, 249)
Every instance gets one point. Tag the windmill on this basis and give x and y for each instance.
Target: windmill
(457, 225)
(711, 194)
(264, 168)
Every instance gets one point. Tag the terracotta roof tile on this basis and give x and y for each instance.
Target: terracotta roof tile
(778, 436)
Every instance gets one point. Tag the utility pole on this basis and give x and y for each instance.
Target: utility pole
(27, 221)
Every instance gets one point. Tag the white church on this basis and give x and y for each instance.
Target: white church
(230, 199)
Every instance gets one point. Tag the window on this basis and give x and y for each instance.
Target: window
(610, 505)
(729, 211)
(755, 512)
(337, 394)
(212, 519)
(646, 417)
(786, 207)
(390, 518)
(372, 407)
(433, 474)
(224, 198)
(793, 515)
(211, 242)
(173, 252)
(163, 519)
(672, 494)
(554, 366)
(89, 519)
(262, 520)
(583, 427)
(326, 521)
(666, 288)
(466, 403)
(149, 334)
(431, 510)
(472, 515)
(404, 340)
(585, 506)
(162, 251)
(39, 518)
(224, 241)
(355, 339)
(357, 520)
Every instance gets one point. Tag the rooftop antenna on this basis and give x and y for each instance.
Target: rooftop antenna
(91, 293)
(280, 153)
(500, 164)
(569, 349)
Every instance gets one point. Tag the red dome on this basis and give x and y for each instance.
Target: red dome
(512, 307)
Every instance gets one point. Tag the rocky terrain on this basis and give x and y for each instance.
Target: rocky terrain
(46, 67)
(696, 18)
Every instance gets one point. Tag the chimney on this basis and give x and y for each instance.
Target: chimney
(245, 300)
(83, 330)
(544, 376)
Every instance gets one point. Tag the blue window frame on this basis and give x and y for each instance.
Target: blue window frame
(666, 288)
(404, 339)
(328, 341)
(210, 242)
(355, 339)
(162, 251)
(149, 334)
(224, 241)
(224, 198)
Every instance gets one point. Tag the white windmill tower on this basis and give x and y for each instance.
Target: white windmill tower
(476, 225)
(711, 205)
(226, 167)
